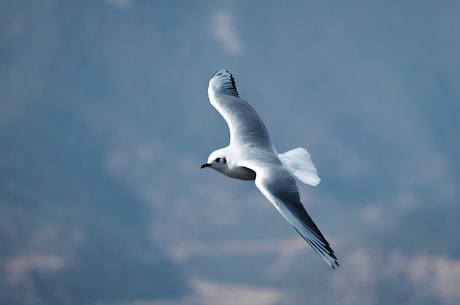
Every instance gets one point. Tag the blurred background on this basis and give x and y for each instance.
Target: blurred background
(105, 120)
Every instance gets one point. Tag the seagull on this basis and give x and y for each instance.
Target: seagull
(251, 155)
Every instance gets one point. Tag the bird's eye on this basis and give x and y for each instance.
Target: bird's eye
(217, 160)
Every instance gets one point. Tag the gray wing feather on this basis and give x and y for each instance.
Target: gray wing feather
(280, 188)
(244, 123)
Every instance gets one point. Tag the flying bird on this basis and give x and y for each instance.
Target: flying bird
(251, 155)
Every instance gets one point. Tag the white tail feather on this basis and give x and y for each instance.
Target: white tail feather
(298, 162)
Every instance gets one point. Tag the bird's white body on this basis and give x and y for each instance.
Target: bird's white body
(251, 155)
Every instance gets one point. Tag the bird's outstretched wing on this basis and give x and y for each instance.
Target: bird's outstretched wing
(243, 121)
(279, 186)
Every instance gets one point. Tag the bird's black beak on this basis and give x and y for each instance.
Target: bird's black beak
(205, 165)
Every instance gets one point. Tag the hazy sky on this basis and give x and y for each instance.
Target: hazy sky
(105, 120)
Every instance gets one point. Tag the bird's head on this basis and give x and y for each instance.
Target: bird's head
(217, 160)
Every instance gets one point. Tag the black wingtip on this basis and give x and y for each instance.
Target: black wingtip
(323, 249)
(220, 71)
(334, 265)
(225, 84)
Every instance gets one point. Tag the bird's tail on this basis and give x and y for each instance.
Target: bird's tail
(298, 162)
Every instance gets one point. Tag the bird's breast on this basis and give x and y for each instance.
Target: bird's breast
(241, 172)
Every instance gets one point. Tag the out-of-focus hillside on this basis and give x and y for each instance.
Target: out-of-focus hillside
(104, 122)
